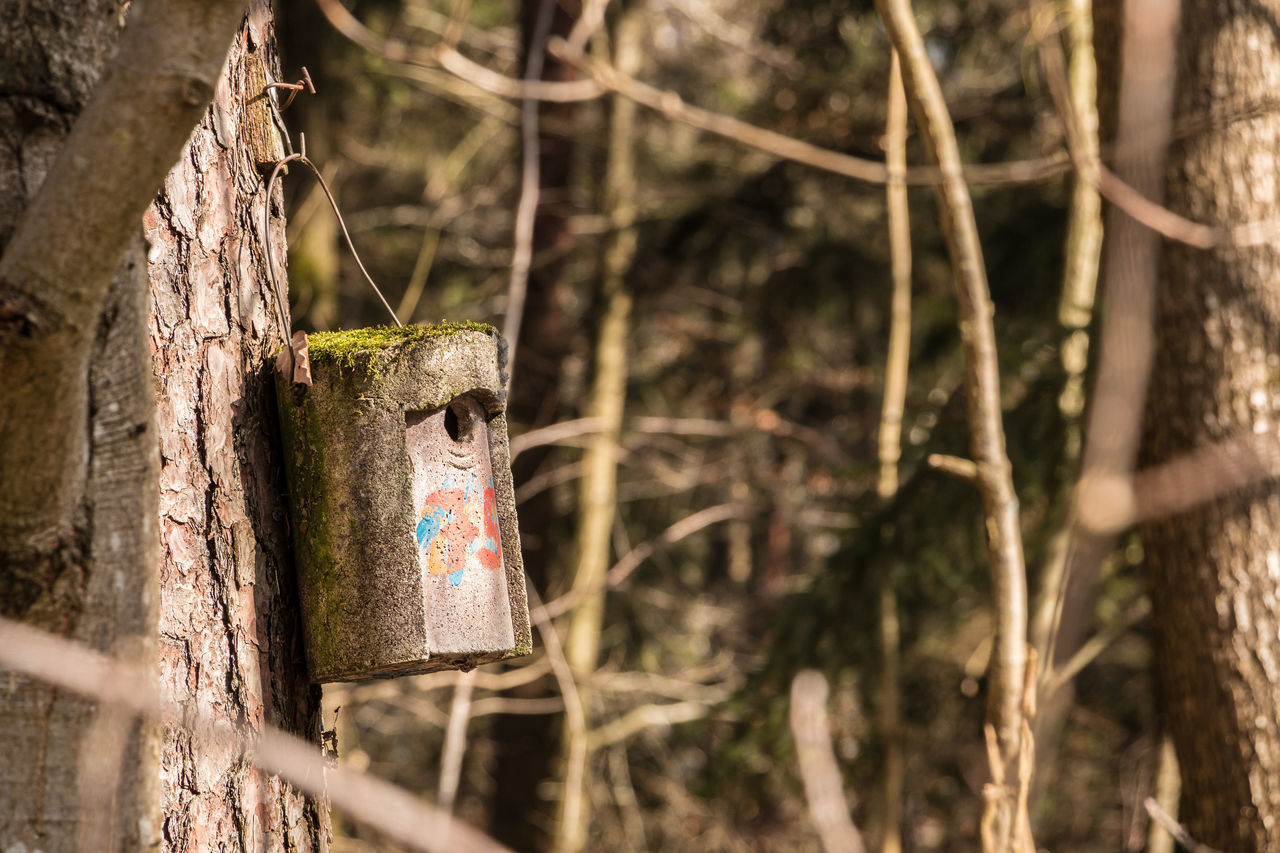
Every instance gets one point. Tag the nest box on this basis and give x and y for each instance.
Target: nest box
(404, 521)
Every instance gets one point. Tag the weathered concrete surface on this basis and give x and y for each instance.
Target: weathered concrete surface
(459, 543)
(390, 456)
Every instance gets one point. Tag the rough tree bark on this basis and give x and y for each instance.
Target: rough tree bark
(79, 502)
(1214, 570)
(229, 635)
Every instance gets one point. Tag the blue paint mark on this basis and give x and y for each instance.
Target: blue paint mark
(431, 523)
(455, 578)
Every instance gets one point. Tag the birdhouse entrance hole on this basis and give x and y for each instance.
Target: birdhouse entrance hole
(456, 528)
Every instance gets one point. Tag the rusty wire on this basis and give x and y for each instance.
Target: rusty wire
(302, 158)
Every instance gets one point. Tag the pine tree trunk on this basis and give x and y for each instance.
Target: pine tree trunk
(230, 639)
(1214, 570)
(223, 627)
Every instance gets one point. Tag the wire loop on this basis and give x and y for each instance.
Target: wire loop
(281, 305)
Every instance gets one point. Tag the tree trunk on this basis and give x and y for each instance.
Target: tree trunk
(598, 498)
(525, 744)
(230, 637)
(1214, 569)
(71, 775)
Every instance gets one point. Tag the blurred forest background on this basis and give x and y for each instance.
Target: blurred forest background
(712, 330)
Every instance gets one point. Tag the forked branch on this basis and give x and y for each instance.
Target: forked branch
(993, 476)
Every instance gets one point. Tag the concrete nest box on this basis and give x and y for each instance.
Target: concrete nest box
(404, 521)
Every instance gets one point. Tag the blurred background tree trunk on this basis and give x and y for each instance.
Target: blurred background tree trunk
(1214, 570)
(541, 394)
(73, 776)
(598, 497)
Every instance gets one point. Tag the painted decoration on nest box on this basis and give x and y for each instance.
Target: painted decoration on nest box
(449, 531)
(404, 523)
(457, 534)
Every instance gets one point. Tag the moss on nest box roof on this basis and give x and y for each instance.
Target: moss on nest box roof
(342, 347)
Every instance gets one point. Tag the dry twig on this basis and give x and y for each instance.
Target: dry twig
(993, 476)
(823, 784)
(637, 555)
(585, 27)
(899, 216)
(645, 717)
(954, 466)
(890, 442)
(380, 805)
(574, 713)
(1175, 829)
(780, 145)
(530, 178)
(455, 741)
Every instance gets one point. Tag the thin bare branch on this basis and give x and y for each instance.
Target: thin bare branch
(955, 466)
(636, 556)
(624, 794)
(823, 783)
(574, 712)
(685, 690)
(549, 479)
(993, 476)
(455, 741)
(1020, 838)
(445, 56)
(1174, 226)
(557, 91)
(453, 29)
(645, 717)
(513, 705)
(899, 217)
(733, 35)
(1084, 228)
(456, 89)
(1175, 829)
(780, 145)
(555, 433)
(603, 78)
(385, 807)
(1097, 644)
(586, 25)
(890, 442)
(530, 179)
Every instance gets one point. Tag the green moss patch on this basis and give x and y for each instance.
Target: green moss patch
(347, 349)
